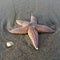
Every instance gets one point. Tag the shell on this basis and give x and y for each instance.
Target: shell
(9, 44)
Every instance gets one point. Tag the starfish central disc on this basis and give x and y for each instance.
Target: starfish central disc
(32, 25)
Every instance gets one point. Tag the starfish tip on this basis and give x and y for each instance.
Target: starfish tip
(17, 21)
(36, 48)
(10, 31)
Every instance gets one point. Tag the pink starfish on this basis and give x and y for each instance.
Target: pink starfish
(32, 28)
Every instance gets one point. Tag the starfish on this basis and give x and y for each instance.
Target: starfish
(32, 28)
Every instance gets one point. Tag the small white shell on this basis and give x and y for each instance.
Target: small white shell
(9, 44)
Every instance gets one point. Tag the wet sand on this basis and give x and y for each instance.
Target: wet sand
(47, 13)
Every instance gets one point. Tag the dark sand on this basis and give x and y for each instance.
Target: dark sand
(47, 13)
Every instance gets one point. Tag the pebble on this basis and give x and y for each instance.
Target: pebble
(9, 44)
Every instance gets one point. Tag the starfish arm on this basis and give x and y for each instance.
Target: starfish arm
(22, 23)
(33, 34)
(43, 28)
(33, 19)
(21, 30)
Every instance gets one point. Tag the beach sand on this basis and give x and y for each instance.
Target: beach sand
(47, 12)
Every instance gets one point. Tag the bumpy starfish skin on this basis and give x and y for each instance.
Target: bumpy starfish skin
(33, 34)
(32, 28)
